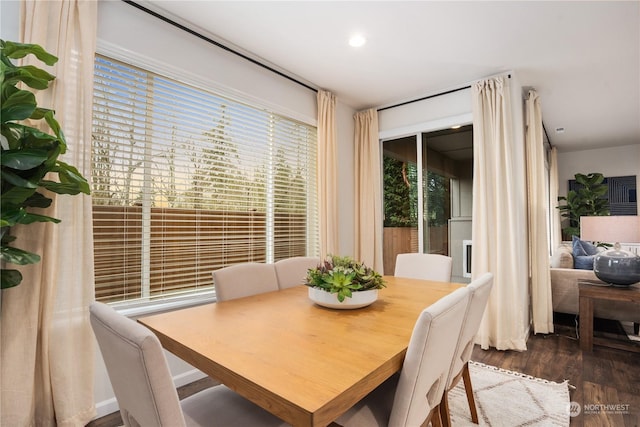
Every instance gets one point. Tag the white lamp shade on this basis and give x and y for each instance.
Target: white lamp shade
(610, 229)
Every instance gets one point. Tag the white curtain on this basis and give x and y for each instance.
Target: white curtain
(499, 216)
(368, 190)
(47, 343)
(327, 174)
(556, 228)
(541, 306)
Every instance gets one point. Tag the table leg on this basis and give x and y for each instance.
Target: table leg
(586, 324)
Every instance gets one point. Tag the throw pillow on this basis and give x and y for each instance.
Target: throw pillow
(583, 253)
(582, 247)
(583, 262)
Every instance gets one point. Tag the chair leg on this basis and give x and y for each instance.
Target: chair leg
(433, 418)
(466, 377)
(636, 328)
(436, 420)
(445, 414)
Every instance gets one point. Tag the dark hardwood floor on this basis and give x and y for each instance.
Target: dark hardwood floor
(599, 378)
(602, 377)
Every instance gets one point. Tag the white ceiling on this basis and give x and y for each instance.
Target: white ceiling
(583, 58)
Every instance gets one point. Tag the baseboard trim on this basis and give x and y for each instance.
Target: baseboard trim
(110, 406)
(188, 377)
(106, 407)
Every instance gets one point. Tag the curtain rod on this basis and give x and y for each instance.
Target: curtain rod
(428, 97)
(547, 135)
(424, 97)
(215, 43)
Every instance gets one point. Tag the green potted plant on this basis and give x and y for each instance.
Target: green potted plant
(587, 200)
(29, 155)
(341, 278)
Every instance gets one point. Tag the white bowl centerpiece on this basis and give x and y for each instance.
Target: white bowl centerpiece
(341, 282)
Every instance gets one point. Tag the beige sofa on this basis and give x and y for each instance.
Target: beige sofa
(564, 291)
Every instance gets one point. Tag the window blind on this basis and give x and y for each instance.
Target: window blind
(185, 181)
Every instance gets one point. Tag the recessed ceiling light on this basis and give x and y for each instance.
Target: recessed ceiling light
(357, 40)
(456, 127)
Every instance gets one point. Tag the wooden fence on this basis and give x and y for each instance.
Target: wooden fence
(183, 247)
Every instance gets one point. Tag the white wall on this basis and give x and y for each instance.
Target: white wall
(614, 161)
(430, 114)
(9, 22)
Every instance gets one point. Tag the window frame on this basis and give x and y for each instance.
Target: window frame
(142, 306)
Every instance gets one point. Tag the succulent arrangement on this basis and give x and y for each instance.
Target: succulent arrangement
(343, 276)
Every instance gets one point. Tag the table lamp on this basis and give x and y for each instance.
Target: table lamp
(615, 266)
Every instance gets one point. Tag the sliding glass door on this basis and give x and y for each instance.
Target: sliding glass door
(421, 172)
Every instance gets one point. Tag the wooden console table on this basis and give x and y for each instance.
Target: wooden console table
(590, 293)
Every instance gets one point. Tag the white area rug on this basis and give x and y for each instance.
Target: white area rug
(510, 399)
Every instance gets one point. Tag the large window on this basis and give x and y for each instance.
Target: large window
(185, 181)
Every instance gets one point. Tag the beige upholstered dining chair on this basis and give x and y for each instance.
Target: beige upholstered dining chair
(293, 271)
(412, 397)
(424, 266)
(479, 291)
(144, 389)
(242, 280)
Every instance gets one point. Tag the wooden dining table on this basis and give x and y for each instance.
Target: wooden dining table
(302, 362)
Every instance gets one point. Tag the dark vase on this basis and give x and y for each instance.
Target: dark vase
(617, 266)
